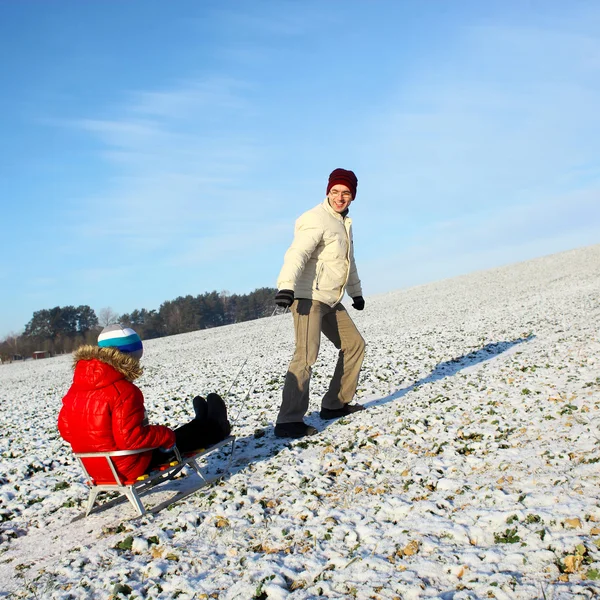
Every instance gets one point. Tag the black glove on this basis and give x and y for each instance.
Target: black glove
(284, 298)
(358, 302)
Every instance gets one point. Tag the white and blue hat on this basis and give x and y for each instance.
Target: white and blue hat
(122, 338)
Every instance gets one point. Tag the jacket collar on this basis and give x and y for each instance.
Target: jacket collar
(332, 212)
(125, 364)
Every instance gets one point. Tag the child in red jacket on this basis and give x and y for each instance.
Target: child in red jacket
(104, 411)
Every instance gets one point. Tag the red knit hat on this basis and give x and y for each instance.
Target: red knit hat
(343, 177)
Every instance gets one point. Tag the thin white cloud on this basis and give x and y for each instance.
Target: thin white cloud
(487, 238)
(40, 284)
(232, 244)
(98, 275)
(468, 144)
(502, 123)
(491, 163)
(291, 20)
(179, 156)
(192, 99)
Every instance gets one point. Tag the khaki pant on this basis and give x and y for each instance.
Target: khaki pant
(310, 319)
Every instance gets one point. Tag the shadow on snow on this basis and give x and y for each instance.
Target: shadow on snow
(264, 445)
(452, 367)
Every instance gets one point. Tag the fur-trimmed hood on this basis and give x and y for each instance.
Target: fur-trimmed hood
(104, 411)
(125, 364)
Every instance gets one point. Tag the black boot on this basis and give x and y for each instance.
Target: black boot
(217, 412)
(294, 430)
(200, 407)
(198, 434)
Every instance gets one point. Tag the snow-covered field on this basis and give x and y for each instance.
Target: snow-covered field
(474, 473)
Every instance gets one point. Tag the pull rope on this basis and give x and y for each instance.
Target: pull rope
(244, 363)
(252, 348)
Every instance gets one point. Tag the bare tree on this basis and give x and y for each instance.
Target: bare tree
(107, 316)
(12, 341)
(9, 348)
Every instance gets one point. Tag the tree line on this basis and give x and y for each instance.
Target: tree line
(60, 330)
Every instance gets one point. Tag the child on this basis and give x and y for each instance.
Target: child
(104, 411)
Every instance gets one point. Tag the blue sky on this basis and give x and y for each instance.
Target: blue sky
(157, 149)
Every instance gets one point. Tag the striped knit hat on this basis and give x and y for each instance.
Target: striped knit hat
(122, 338)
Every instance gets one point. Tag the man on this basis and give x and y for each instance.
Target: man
(318, 268)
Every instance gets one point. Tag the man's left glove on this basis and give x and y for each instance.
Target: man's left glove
(284, 298)
(358, 302)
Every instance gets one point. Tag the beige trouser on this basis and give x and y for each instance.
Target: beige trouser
(310, 319)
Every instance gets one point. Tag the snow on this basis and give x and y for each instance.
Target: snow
(473, 473)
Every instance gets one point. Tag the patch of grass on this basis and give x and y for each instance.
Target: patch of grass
(508, 537)
(120, 588)
(593, 574)
(259, 594)
(125, 544)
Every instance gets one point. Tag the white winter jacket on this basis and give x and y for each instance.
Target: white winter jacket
(320, 262)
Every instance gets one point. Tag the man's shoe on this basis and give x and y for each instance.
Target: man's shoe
(294, 430)
(335, 413)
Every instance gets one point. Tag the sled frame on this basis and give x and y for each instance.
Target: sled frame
(132, 490)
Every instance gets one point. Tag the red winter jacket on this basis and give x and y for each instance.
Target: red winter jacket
(104, 411)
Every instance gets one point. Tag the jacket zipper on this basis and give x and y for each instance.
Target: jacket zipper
(319, 273)
(347, 258)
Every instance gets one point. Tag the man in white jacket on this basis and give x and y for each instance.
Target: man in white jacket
(318, 269)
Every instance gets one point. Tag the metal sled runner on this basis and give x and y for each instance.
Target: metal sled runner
(132, 490)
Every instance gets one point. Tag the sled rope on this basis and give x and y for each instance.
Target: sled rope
(247, 395)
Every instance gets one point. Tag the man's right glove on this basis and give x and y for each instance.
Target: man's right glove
(284, 298)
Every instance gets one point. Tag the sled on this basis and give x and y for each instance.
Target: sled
(132, 490)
